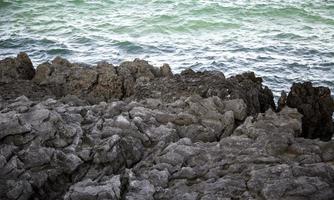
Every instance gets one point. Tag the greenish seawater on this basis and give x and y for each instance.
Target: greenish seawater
(281, 40)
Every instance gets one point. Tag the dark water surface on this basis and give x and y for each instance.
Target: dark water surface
(281, 40)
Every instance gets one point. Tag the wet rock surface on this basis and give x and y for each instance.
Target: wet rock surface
(16, 68)
(317, 107)
(135, 80)
(98, 133)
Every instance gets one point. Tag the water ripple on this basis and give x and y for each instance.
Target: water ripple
(281, 40)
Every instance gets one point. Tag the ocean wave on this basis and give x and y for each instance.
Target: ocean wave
(278, 39)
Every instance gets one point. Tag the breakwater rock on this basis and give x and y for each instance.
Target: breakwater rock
(133, 131)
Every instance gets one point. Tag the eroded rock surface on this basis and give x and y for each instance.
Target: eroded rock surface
(317, 107)
(16, 68)
(135, 80)
(75, 132)
(188, 149)
(210, 83)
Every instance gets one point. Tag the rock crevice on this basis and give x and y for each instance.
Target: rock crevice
(138, 132)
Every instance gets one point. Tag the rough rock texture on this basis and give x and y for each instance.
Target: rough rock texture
(14, 89)
(139, 132)
(187, 149)
(15, 79)
(16, 68)
(317, 107)
(281, 103)
(135, 80)
(210, 83)
(104, 82)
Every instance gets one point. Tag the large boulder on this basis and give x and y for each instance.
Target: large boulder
(16, 68)
(317, 107)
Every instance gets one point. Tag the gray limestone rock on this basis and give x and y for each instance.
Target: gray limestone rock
(139, 132)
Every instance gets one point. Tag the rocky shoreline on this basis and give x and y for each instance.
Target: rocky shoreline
(72, 131)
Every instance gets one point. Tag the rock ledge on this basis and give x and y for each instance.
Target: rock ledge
(71, 131)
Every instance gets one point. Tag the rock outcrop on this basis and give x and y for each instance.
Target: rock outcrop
(133, 131)
(210, 83)
(317, 107)
(188, 149)
(103, 82)
(16, 68)
(137, 80)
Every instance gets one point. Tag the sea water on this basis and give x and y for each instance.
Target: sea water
(283, 41)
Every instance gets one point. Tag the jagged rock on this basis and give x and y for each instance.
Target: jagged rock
(16, 68)
(282, 101)
(139, 189)
(140, 68)
(10, 125)
(109, 85)
(91, 190)
(249, 88)
(21, 104)
(292, 182)
(246, 87)
(104, 83)
(327, 151)
(165, 71)
(191, 136)
(19, 190)
(317, 107)
(65, 78)
(15, 76)
(136, 80)
(36, 156)
(27, 88)
(238, 107)
(135, 150)
(73, 100)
